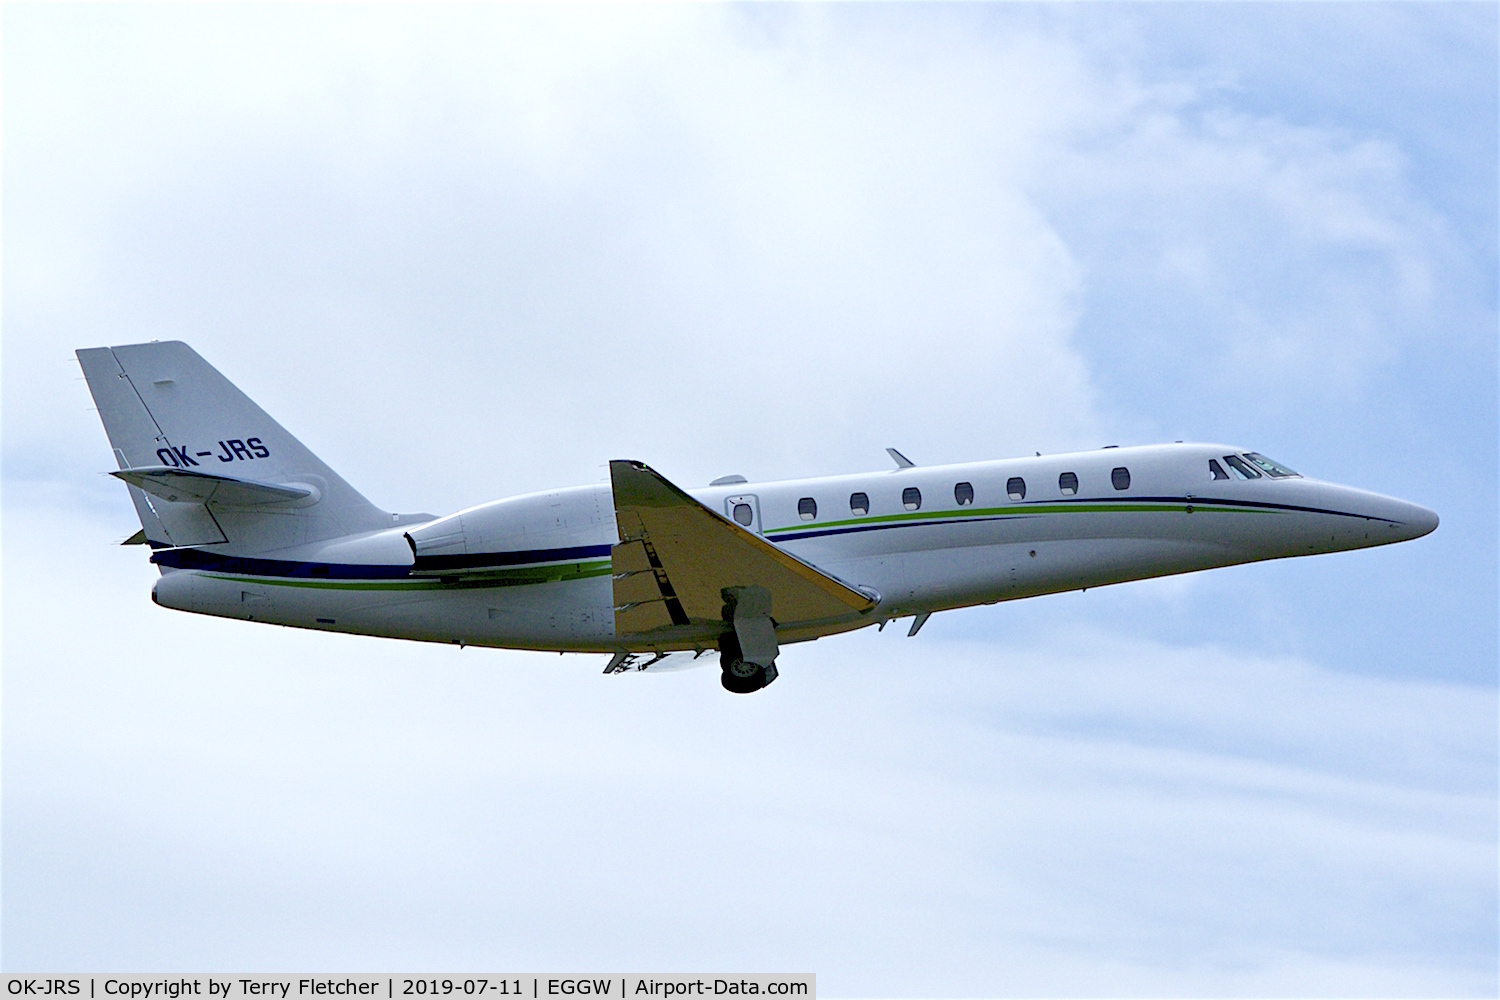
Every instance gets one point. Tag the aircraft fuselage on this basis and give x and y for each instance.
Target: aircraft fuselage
(535, 571)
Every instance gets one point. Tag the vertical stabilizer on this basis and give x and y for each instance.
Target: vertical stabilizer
(163, 406)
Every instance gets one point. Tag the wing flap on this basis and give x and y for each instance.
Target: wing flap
(636, 619)
(630, 557)
(637, 588)
(678, 560)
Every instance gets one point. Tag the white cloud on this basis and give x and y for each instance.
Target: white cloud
(664, 242)
(1243, 250)
(662, 232)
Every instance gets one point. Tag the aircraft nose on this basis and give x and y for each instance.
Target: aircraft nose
(1418, 520)
(1401, 520)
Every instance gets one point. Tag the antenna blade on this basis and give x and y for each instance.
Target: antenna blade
(902, 462)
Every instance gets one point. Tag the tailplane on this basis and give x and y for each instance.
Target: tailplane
(205, 465)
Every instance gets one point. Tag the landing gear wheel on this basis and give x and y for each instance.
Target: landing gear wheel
(740, 677)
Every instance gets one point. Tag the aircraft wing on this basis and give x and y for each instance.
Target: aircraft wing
(677, 559)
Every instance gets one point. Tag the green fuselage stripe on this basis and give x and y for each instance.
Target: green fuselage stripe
(469, 579)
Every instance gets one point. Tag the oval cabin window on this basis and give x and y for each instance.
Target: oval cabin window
(1068, 483)
(1119, 476)
(859, 503)
(807, 508)
(743, 514)
(964, 494)
(911, 498)
(1015, 488)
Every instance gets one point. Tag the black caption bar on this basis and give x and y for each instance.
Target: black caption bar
(491, 986)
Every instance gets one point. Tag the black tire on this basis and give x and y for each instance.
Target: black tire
(729, 650)
(740, 677)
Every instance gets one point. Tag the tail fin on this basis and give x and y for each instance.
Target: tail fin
(172, 418)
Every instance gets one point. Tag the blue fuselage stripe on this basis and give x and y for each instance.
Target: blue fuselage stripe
(488, 560)
(295, 569)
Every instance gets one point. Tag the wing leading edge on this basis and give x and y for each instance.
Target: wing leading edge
(679, 567)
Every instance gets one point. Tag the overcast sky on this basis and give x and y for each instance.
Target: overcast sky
(465, 252)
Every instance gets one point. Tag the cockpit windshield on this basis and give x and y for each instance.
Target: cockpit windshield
(1239, 465)
(1273, 469)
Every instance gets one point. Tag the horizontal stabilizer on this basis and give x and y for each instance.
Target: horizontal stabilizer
(187, 486)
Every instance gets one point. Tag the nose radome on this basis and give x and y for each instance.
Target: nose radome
(1420, 521)
(1403, 520)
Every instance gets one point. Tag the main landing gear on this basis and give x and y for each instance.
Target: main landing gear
(740, 676)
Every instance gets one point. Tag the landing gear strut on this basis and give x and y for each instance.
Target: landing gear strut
(739, 676)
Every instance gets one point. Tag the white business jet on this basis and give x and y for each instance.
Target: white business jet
(244, 522)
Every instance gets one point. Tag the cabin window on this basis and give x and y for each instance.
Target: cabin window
(1015, 488)
(1240, 466)
(318, 571)
(1273, 469)
(1068, 483)
(1217, 470)
(1120, 477)
(911, 498)
(859, 504)
(807, 508)
(964, 494)
(743, 514)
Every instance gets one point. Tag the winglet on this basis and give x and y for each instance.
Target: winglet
(902, 462)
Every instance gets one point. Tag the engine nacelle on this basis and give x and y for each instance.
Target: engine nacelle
(537, 527)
